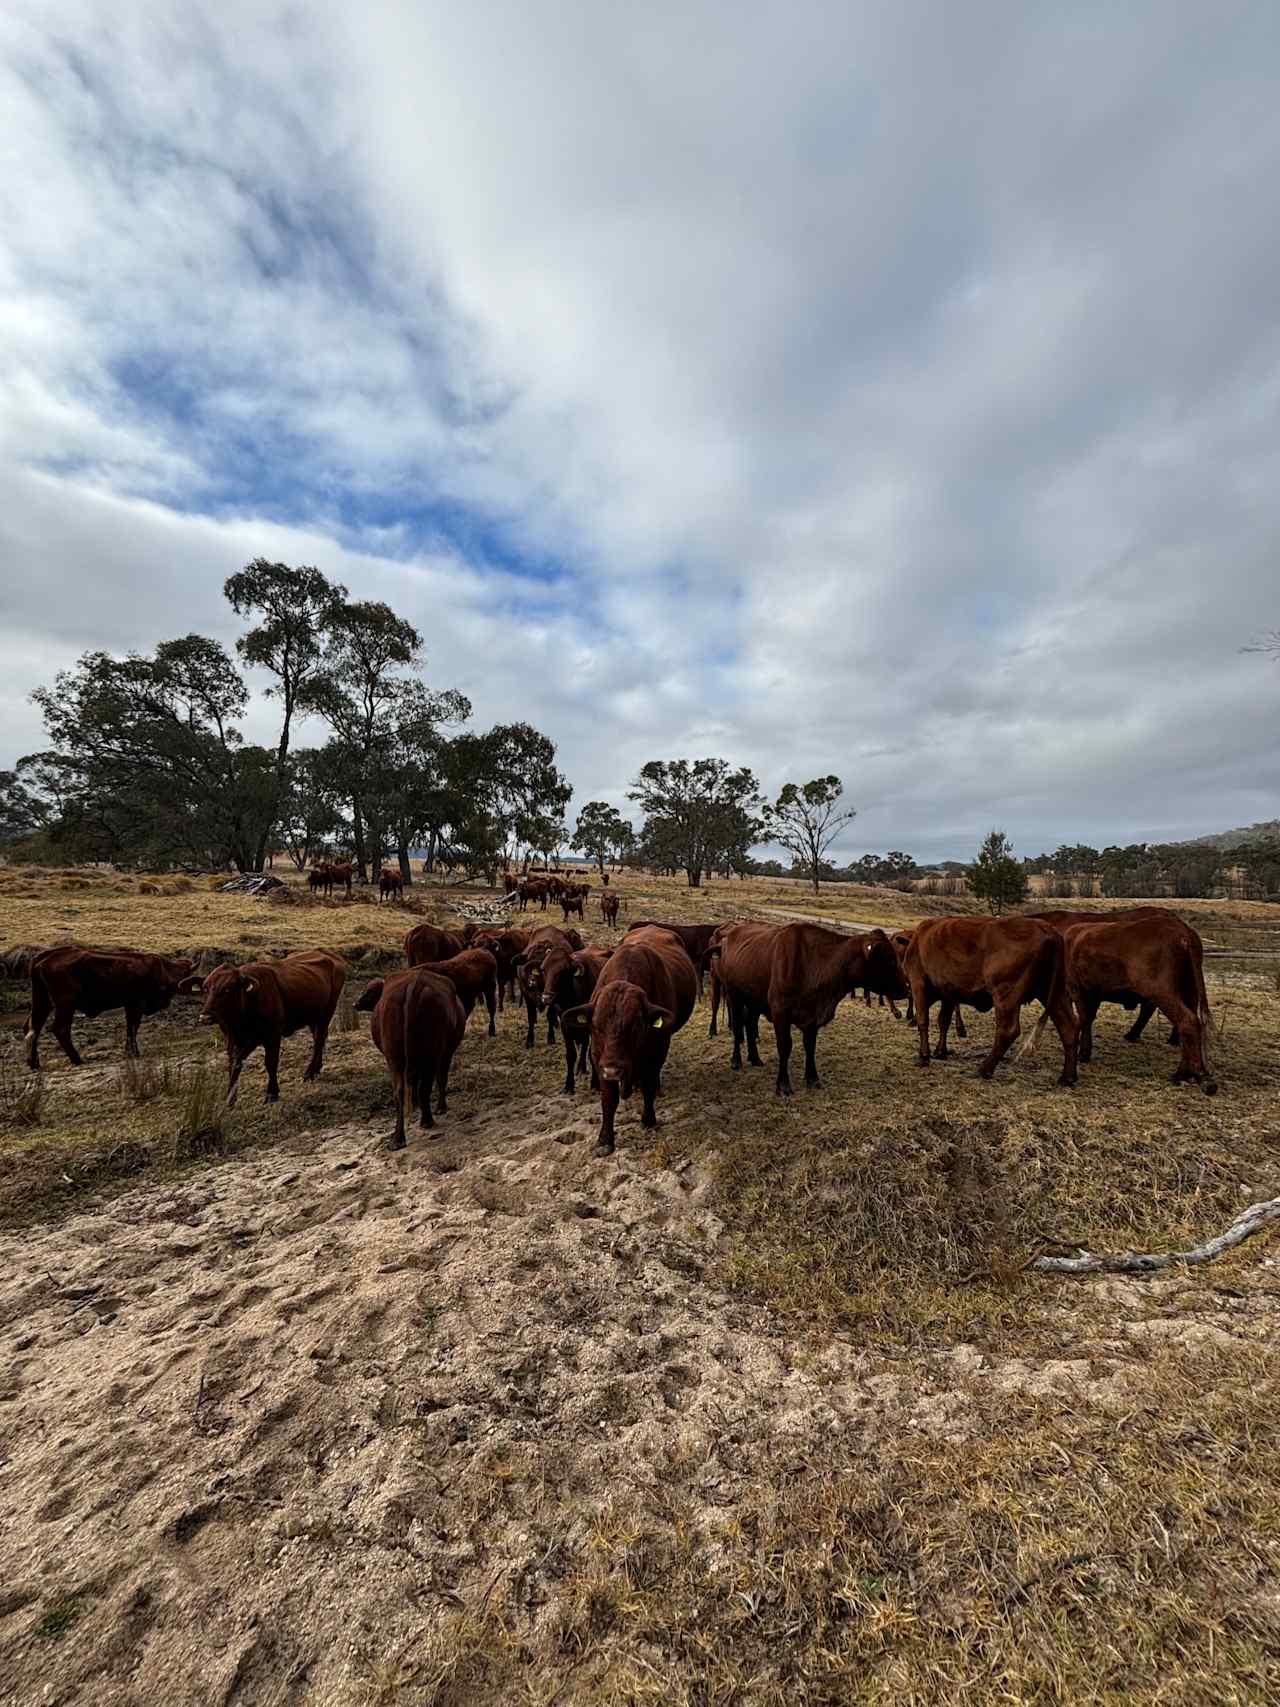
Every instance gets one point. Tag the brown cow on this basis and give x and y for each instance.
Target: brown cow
(259, 1004)
(572, 901)
(418, 1023)
(644, 994)
(425, 943)
(506, 946)
(92, 981)
(1062, 918)
(1154, 958)
(901, 940)
(529, 971)
(473, 973)
(568, 980)
(990, 963)
(389, 883)
(696, 939)
(320, 877)
(797, 974)
(609, 904)
(342, 875)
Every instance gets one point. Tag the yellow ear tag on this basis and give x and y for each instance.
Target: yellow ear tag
(657, 1024)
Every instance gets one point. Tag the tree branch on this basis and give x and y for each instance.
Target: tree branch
(1250, 1221)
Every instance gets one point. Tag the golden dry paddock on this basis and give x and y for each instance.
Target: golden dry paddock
(764, 1409)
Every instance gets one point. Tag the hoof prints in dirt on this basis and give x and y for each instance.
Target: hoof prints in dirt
(263, 1430)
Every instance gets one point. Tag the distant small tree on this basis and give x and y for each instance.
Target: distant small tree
(600, 827)
(996, 877)
(805, 819)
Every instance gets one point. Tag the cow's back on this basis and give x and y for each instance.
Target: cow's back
(425, 943)
(746, 958)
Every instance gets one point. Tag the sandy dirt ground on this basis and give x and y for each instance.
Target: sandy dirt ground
(262, 1430)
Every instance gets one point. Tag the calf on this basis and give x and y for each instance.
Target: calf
(473, 973)
(609, 903)
(572, 901)
(260, 1004)
(1154, 959)
(92, 981)
(320, 877)
(797, 974)
(645, 992)
(425, 943)
(389, 883)
(990, 963)
(418, 1023)
(568, 980)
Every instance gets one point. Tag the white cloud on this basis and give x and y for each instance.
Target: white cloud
(895, 393)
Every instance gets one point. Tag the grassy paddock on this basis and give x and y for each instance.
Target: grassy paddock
(1063, 1552)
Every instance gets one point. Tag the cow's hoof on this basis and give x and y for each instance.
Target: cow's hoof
(920, 1063)
(602, 1150)
(1068, 1083)
(783, 1090)
(1210, 1087)
(395, 1142)
(813, 1084)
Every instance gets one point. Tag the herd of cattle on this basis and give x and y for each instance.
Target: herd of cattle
(617, 1010)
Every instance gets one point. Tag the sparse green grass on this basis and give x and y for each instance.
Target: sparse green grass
(60, 1617)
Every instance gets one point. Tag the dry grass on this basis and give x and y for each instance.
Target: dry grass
(1063, 1551)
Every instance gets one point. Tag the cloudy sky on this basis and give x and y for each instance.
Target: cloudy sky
(886, 390)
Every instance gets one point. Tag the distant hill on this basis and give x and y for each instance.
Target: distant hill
(1267, 831)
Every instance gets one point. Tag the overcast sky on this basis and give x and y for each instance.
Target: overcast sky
(886, 390)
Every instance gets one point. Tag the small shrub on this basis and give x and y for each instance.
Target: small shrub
(143, 1081)
(200, 1110)
(346, 1018)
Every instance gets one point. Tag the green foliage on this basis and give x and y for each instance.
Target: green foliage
(699, 814)
(805, 819)
(996, 877)
(600, 828)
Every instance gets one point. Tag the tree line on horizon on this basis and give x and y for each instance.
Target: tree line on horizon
(147, 765)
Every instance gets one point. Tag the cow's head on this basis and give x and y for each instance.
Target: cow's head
(370, 996)
(226, 992)
(176, 973)
(884, 965)
(620, 1021)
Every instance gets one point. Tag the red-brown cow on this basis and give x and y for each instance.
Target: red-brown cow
(572, 901)
(1062, 918)
(425, 943)
(644, 994)
(990, 963)
(797, 974)
(259, 1004)
(609, 904)
(418, 1023)
(389, 883)
(506, 946)
(320, 877)
(473, 974)
(1157, 959)
(529, 971)
(696, 939)
(901, 940)
(341, 875)
(568, 980)
(92, 981)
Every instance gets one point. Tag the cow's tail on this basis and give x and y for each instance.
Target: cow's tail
(1053, 954)
(41, 1006)
(1204, 1013)
(406, 1078)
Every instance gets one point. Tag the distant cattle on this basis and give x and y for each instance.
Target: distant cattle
(259, 1004)
(990, 963)
(473, 974)
(609, 904)
(796, 974)
(341, 875)
(320, 878)
(645, 992)
(92, 981)
(418, 1023)
(425, 943)
(1155, 959)
(571, 901)
(390, 883)
(533, 889)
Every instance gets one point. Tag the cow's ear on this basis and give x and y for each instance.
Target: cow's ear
(661, 1018)
(251, 984)
(579, 973)
(576, 1019)
(191, 986)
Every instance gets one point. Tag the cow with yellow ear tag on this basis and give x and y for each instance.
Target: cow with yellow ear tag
(645, 993)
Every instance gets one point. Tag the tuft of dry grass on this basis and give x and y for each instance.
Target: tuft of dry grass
(21, 1092)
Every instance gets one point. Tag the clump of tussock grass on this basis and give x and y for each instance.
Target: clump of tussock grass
(201, 1096)
(346, 1018)
(21, 1092)
(145, 1080)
